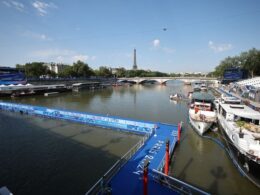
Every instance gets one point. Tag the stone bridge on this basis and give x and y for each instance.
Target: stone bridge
(163, 80)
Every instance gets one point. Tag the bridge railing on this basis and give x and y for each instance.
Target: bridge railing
(102, 185)
(175, 184)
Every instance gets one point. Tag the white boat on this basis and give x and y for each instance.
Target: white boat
(202, 113)
(176, 96)
(241, 127)
(203, 87)
(196, 86)
(190, 95)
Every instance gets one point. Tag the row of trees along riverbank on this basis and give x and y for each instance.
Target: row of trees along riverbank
(248, 60)
(81, 69)
(78, 69)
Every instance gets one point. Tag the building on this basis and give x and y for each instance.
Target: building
(57, 68)
(135, 64)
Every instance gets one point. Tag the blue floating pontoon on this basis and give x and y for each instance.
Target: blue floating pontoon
(126, 176)
(129, 179)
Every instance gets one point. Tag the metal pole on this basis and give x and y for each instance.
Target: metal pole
(145, 177)
(179, 132)
(167, 158)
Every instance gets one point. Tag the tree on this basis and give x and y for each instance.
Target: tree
(251, 60)
(226, 63)
(67, 72)
(20, 67)
(35, 69)
(104, 71)
(82, 69)
(121, 72)
(51, 73)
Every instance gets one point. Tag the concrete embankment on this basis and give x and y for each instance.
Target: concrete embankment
(69, 81)
(40, 86)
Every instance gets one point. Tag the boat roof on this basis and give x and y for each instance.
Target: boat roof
(202, 96)
(230, 99)
(242, 111)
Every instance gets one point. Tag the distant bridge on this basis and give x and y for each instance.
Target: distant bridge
(163, 80)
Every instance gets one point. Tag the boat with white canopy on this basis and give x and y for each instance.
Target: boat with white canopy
(241, 126)
(202, 113)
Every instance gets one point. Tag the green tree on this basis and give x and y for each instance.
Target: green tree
(67, 72)
(82, 69)
(35, 69)
(51, 73)
(121, 72)
(104, 71)
(20, 67)
(251, 61)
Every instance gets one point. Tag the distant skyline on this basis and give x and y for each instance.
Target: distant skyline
(169, 35)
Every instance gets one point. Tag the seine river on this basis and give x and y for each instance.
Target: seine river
(44, 156)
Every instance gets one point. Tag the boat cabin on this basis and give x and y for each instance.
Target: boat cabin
(202, 101)
(230, 100)
(233, 112)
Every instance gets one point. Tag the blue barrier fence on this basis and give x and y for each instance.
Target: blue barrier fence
(139, 127)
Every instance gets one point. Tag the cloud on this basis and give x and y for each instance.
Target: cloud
(14, 4)
(42, 7)
(219, 47)
(61, 55)
(50, 53)
(39, 36)
(157, 46)
(6, 3)
(156, 43)
(82, 58)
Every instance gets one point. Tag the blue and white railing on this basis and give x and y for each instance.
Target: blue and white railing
(139, 127)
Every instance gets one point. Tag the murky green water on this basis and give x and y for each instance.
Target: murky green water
(43, 156)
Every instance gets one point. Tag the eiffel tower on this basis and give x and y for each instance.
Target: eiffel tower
(135, 65)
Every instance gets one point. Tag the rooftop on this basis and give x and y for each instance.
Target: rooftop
(242, 111)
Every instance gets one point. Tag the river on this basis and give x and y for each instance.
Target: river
(44, 156)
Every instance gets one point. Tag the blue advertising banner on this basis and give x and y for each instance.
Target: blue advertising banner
(140, 127)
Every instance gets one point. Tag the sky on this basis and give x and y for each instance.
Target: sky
(169, 35)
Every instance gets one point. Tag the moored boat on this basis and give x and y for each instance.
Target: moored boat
(202, 113)
(176, 96)
(241, 127)
(203, 87)
(190, 94)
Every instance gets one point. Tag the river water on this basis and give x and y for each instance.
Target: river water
(44, 156)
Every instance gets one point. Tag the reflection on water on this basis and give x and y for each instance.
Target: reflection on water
(85, 153)
(44, 156)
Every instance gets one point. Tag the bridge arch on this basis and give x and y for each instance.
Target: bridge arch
(163, 80)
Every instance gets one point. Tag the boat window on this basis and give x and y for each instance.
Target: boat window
(248, 120)
(237, 107)
(224, 113)
(256, 122)
(237, 118)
